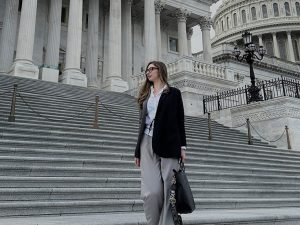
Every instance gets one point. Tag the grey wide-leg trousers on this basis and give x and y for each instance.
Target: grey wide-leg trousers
(156, 173)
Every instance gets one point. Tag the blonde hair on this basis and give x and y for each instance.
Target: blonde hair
(145, 89)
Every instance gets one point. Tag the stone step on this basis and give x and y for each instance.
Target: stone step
(132, 182)
(127, 205)
(193, 157)
(49, 194)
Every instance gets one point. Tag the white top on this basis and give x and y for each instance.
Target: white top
(151, 109)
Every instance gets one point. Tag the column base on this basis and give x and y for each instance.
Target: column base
(48, 74)
(74, 77)
(24, 69)
(116, 85)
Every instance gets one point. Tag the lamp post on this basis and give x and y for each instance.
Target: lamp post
(251, 53)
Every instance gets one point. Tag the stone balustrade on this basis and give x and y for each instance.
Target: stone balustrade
(189, 65)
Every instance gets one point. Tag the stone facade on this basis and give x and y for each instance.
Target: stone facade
(274, 24)
(99, 44)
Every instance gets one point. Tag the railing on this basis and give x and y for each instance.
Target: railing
(189, 65)
(268, 90)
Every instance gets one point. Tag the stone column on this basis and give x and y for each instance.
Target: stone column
(150, 32)
(92, 44)
(114, 80)
(158, 8)
(290, 47)
(23, 65)
(260, 40)
(50, 70)
(205, 25)
(189, 38)
(275, 46)
(182, 15)
(126, 41)
(9, 33)
(72, 73)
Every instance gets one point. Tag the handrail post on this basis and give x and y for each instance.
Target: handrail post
(249, 133)
(209, 127)
(11, 117)
(288, 137)
(95, 124)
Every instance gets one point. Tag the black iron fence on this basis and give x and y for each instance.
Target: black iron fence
(268, 90)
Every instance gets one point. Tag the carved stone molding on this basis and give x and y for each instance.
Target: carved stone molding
(182, 14)
(205, 23)
(159, 6)
(199, 86)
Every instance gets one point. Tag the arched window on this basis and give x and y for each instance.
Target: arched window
(222, 25)
(298, 8)
(253, 13)
(287, 9)
(264, 11)
(244, 19)
(234, 20)
(217, 27)
(227, 21)
(296, 52)
(275, 8)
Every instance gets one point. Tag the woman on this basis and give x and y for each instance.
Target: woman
(161, 142)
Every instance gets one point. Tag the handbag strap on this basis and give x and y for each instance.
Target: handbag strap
(176, 217)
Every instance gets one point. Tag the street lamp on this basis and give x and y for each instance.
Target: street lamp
(251, 53)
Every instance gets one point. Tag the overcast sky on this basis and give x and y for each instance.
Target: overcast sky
(197, 35)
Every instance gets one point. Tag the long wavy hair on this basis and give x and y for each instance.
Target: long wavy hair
(145, 89)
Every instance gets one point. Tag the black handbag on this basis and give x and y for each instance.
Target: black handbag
(181, 196)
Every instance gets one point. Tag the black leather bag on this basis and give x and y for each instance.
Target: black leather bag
(183, 194)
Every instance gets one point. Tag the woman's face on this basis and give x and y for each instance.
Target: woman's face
(152, 73)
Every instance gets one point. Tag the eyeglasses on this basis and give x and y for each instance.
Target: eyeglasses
(150, 69)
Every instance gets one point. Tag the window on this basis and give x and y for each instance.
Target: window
(234, 19)
(287, 9)
(264, 11)
(222, 25)
(86, 21)
(173, 44)
(244, 19)
(269, 47)
(296, 52)
(275, 8)
(20, 5)
(253, 13)
(227, 23)
(282, 49)
(298, 8)
(64, 15)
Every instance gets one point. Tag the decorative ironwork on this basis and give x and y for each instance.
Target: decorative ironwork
(251, 53)
(271, 89)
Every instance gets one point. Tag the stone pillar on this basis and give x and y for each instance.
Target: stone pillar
(9, 33)
(23, 65)
(150, 32)
(290, 47)
(189, 38)
(92, 44)
(205, 25)
(126, 41)
(275, 46)
(114, 80)
(260, 40)
(182, 15)
(50, 70)
(72, 73)
(158, 8)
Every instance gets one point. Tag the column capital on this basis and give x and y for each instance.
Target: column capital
(182, 14)
(189, 32)
(274, 33)
(289, 32)
(205, 23)
(159, 6)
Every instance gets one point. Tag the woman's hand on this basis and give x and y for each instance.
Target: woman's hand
(137, 162)
(183, 155)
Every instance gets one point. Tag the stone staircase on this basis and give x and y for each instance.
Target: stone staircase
(52, 162)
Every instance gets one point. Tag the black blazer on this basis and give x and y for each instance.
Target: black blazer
(169, 130)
